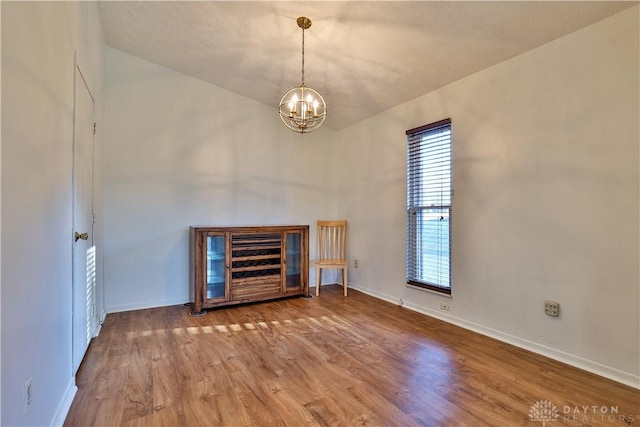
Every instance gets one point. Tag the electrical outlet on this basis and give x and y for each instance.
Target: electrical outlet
(28, 395)
(552, 308)
(445, 306)
(355, 263)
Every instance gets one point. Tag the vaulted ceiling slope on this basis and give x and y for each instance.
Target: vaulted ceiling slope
(364, 57)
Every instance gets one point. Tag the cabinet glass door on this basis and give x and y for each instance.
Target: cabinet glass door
(294, 263)
(216, 266)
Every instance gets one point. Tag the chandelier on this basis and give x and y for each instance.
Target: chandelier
(302, 109)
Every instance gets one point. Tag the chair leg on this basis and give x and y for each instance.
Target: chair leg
(345, 281)
(318, 280)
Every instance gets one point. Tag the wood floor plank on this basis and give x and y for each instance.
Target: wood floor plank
(325, 361)
(138, 398)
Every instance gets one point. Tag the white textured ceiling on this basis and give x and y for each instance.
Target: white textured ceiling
(364, 57)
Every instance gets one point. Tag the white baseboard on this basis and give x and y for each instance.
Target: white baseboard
(144, 305)
(65, 404)
(552, 353)
(98, 329)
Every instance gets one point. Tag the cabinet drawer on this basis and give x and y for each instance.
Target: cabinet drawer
(253, 281)
(255, 290)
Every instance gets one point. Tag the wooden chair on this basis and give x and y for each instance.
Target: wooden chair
(332, 250)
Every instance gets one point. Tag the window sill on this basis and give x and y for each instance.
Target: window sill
(431, 291)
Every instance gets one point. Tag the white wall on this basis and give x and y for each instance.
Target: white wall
(545, 159)
(0, 222)
(38, 44)
(182, 152)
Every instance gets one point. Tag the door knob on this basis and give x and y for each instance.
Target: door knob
(83, 236)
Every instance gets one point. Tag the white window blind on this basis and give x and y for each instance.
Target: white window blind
(429, 206)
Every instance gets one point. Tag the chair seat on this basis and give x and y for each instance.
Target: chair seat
(331, 261)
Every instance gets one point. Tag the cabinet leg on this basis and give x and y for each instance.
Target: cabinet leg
(197, 310)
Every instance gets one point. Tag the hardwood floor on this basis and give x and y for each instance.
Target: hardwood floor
(326, 361)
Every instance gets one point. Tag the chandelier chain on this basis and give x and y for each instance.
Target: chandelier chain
(302, 56)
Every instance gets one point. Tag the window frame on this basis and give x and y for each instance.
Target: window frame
(415, 203)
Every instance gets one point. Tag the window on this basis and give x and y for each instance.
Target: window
(429, 206)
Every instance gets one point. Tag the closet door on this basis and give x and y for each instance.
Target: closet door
(84, 315)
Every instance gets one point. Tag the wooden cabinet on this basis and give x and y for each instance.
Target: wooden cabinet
(232, 265)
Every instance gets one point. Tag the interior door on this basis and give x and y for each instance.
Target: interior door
(84, 266)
